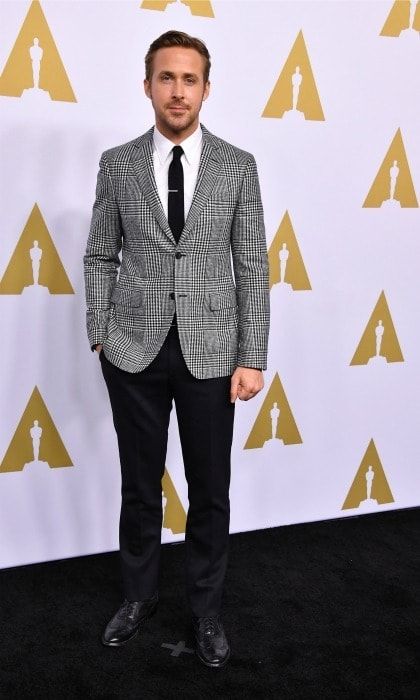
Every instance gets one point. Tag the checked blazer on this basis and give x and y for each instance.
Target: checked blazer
(137, 275)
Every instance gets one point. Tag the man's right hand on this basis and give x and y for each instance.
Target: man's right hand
(98, 348)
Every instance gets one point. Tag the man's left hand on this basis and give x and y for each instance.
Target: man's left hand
(245, 383)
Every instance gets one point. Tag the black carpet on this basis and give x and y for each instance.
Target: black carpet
(319, 610)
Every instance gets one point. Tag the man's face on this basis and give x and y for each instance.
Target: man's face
(177, 90)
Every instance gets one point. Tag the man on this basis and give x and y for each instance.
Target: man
(178, 201)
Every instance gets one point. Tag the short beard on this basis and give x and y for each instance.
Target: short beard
(178, 128)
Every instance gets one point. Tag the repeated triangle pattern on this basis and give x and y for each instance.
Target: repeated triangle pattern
(341, 322)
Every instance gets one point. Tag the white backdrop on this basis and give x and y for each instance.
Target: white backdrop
(326, 171)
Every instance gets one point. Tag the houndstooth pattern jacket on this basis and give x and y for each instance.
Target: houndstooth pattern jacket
(137, 275)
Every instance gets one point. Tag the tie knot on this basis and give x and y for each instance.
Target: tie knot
(177, 151)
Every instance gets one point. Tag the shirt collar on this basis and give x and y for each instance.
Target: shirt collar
(190, 145)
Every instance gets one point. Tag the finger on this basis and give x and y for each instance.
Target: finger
(233, 390)
(242, 393)
(246, 394)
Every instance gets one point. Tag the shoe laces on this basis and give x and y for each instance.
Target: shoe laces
(128, 608)
(209, 625)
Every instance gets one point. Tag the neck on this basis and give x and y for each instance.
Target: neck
(176, 136)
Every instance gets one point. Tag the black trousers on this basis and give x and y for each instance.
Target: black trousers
(141, 404)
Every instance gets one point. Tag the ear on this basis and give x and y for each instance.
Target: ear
(206, 90)
(146, 85)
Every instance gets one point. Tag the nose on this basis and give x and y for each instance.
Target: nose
(178, 88)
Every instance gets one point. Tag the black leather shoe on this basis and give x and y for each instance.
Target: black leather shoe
(212, 647)
(126, 622)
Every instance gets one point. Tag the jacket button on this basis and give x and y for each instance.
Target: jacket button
(171, 295)
(178, 255)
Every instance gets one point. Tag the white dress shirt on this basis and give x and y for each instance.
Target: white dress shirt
(190, 159)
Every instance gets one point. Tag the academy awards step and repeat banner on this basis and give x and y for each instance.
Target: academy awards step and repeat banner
(326, 95)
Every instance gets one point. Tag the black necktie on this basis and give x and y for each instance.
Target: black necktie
(176, 193)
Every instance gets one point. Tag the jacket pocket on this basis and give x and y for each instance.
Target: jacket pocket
(127, 297)
(222, 300)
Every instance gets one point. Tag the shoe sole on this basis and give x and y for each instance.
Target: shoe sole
(210, 665)
(120, 644)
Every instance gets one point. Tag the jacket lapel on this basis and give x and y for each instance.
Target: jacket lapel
(143, 167)
(208, 170)
(207, 174)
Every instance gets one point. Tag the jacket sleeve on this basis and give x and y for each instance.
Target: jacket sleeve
(101, 260)
(250, 265)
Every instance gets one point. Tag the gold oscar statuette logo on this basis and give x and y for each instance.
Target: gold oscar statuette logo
(199, 8)
(275, 424)
(34, 70)
(370, 486)
(174, 515)
(379, 342)
(403, 20)
(295, 95)
(393, 186)
(287, 269)
(35, 267)
(36, 444)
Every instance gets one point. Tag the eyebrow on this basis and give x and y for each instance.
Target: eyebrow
(184, 75)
